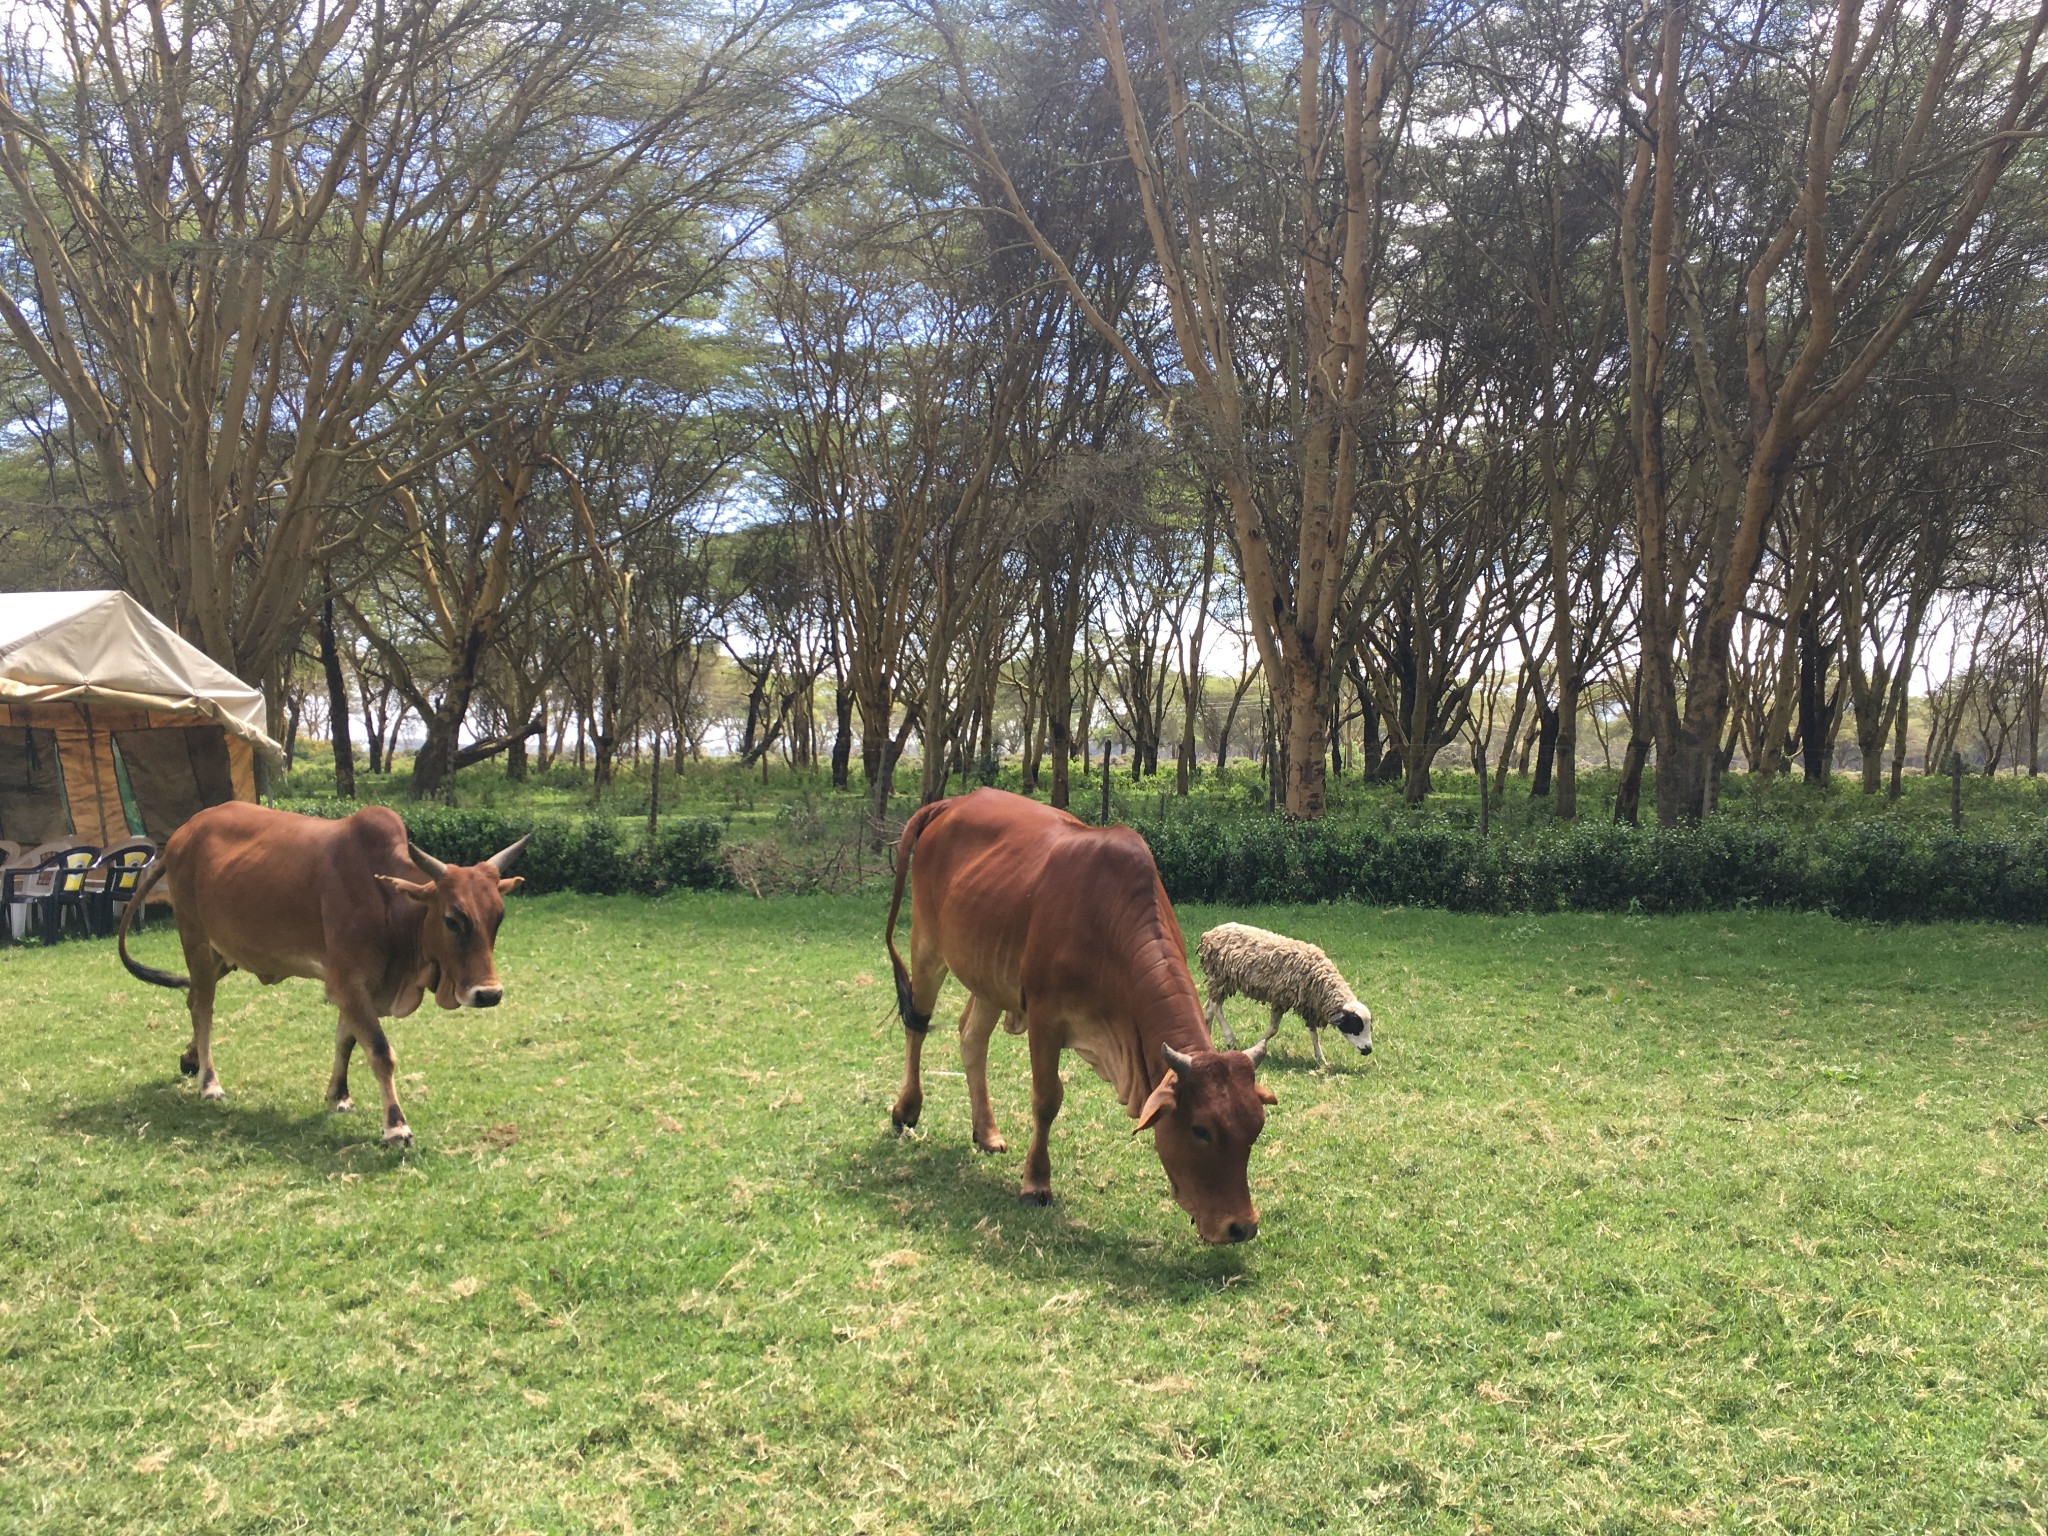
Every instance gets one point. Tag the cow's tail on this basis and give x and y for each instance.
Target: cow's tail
(148, 973)
(915, 1022)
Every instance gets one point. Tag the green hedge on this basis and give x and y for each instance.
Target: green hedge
(1879, 868)
(584, 854)
(1873, 869)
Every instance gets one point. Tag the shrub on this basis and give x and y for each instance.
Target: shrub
(586, 854)
(1212, 848)
(1872, 869)
(683, 856)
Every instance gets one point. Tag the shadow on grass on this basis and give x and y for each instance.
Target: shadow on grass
(964, 1200)
(169, 1107)
(1285, 1065)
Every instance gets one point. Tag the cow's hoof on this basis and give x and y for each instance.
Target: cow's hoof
(213, 1091)
(992, 1143)
(904, 1122)
(398, 1136)
(188, 1066)
(341, 1106)
(1034, 1197)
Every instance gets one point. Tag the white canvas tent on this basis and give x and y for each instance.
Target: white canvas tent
(111, 725)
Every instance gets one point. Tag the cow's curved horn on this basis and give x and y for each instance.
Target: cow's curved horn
(508, 857)
(1180, 1061)
(505, 858)
(1257, 1054)
(429, 866)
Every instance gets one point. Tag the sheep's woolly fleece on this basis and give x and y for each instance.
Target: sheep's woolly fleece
(1239, 960)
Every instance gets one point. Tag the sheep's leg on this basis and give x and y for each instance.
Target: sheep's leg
(1315, 1038)
(1213, 1009)
(1279, 1013)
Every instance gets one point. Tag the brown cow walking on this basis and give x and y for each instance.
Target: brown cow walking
(1066, 928)
(281, 895)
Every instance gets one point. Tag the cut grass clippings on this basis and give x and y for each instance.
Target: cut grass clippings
(1728, 1222)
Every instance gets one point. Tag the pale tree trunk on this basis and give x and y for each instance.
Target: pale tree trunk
(337, 704)
(1646, 295)
(1879, 690)
(1525, 684)
(1063, 604)
(1568, 430)
(937, 656)
(1059, 729)
(1897, 786)
(869, 460)
(1191, 676)
(612, 603)
(842, 735)
(1031, 714)
(1561, 728)
(1786, 346)
(464, 568)
(1291, 590)
(1807, 513)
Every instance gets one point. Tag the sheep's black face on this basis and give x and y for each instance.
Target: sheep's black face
(1354, 1023)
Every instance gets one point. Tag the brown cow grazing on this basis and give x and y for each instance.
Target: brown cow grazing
(1066, 928)
(280, 895)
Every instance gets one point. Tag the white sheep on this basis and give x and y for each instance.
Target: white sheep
(1286, 973)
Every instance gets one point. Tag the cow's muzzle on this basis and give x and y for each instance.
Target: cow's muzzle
(1239, 1229)
(485, 997)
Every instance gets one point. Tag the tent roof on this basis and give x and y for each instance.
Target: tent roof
(104, 647)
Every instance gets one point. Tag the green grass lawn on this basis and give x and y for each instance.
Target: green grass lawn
(1737, 1222)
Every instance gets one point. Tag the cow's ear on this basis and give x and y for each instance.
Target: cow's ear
(418, 892)
(1266, 1095)
(1162, 1102)
(507, 887)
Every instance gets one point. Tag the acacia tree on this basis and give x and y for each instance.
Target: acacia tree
(236, 230)
(1526, 191)
(1065, 557)
(1293, 499)
(1839, 218)
(853, 348)
(1157, 553)
(640, 462)
(777, 633)
(1939, 457)
(607, 265)
(906, 360)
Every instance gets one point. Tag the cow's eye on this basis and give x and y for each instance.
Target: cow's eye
(1202, 1133)
(455, 924)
